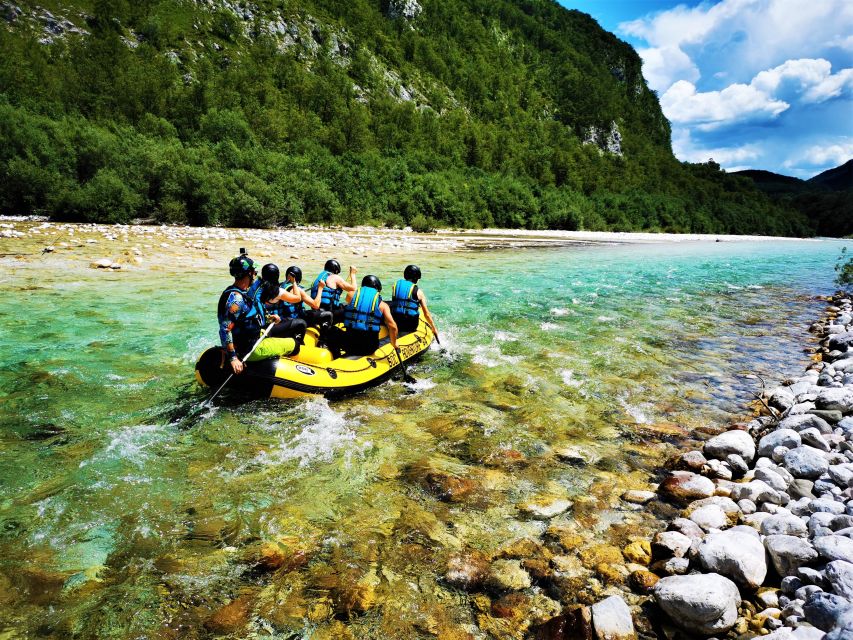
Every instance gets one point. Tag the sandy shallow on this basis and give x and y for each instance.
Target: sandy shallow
(139, 247)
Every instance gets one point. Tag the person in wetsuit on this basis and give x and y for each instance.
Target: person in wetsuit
(242, 318)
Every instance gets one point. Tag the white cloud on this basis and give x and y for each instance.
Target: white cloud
(710, 109)
(829, 155)
(730, 158)
(743, 36)
(768, 95)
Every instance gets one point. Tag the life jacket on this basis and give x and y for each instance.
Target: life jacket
(331, 296)
(363, 312)
(247, 329)
(404, 298)
(288, 309)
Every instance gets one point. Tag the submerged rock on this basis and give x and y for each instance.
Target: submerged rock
(507, 575)
(545, 508)
(232, 617)
(700, 603)
(467, 570)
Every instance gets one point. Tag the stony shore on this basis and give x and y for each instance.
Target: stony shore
(142, 247)
(763, 546)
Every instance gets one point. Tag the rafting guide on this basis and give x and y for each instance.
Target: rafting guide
(279, 340)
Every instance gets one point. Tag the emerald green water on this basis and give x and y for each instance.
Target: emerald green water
(126, 513)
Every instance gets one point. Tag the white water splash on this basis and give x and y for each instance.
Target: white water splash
(325, 433)
(549, 326)
(558, 311)
(130, 444)
(605, 318)
(569, 380)
(505, 336)
(422, 384)
(490, 356)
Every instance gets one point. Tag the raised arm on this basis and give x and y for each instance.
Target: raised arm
(389, 322)
(314, 302)
(291, 297)
(427, 314)
(349, 286)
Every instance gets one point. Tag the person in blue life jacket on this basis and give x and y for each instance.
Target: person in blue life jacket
(364, 314)
(406, 299)
(287, 301)
(335, 286)
(242, 318)
(278, 300)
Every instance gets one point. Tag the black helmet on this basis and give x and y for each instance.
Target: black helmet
(371, 281)
(241, 266)
(270, 273)
(332, 266)
(412, 273)
(294, 271)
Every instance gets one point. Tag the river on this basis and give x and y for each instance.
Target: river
(127, 513)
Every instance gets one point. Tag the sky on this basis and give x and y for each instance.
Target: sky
(753, 84)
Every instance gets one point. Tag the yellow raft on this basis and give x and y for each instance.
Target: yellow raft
(313, 371)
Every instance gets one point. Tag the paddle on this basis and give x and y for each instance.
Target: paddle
(406, 377)
(246, 357)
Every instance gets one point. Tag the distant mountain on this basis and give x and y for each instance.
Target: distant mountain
(826, 199)
(838, 179)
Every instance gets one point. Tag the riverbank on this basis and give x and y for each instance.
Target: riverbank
(138, 247)
(763, 545)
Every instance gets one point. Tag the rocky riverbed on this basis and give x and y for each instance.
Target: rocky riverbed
(763, 545)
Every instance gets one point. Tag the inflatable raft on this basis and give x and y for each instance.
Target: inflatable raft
(313, 371)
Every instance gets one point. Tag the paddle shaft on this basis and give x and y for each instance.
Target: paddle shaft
(406, 376)
(243, 360)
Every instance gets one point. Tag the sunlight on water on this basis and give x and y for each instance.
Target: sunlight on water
(131, 511)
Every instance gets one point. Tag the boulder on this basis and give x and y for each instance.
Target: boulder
(710, 517)
(805, 421)
(701, 603)
(823, 610)
(734, 441)
(835, 547)
(757, 490)
(813, 438)
(684, 486)
(805, 462)
(789, 553)
(839, 574)
(843, 629)
(611, 620)
(838, 399)
(736, 554)
(785, 525)
(771, 476)
(670, 544)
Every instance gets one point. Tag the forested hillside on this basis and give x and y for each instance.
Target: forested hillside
(826, 200)
(427, 113)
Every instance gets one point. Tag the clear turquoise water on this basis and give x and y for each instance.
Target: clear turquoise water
(119, 518)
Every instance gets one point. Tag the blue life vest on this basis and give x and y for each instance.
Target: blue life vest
(247, 329)
(363, 312)
(331, 296)
(288, 309)
(404, 298)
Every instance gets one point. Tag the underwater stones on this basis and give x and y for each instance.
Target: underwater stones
(611, 620)
(601, 554)
(699, 603)
(545, 508)
(684, 486)
(642, 581)
(736, 554)
(524, 548)
(731, 442)
(507, 575)
(355, 591)
(574, 623)
(467, 570)
(636, 496)
(639, 551)
(447, 487)
(232, 617)
(576, 454)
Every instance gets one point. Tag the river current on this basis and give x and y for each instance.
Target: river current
(125, 512)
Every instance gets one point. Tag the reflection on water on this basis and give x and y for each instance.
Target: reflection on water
(128, 512)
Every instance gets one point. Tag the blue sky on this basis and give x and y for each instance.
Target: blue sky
(760, 84)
